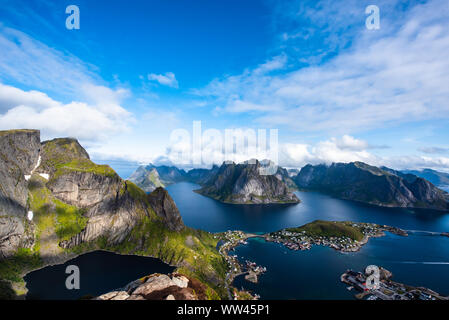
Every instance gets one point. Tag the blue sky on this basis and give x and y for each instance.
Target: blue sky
(137, 70)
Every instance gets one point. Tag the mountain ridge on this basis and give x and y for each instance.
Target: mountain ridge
(384, 187)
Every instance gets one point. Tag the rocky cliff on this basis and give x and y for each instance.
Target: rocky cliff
(165, 208)
(384, 187)
(439, 179)
(56, 203)
(244, 184)
(19, 152)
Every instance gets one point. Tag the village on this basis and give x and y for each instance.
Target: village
(386, 289)
(304, 240)
(229, 240)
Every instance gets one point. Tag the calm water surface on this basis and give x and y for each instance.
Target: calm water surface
(204, 213)
(420, 259)
(100, 272)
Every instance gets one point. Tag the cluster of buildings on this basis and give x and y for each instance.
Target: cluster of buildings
(302, 241)
(386, 289)
(231, 239)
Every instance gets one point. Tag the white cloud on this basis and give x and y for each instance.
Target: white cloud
(292, 155)
(332, 150)
(398, 75)
(35, 110)
(350, 143)
(68, 97)
(344, 149)
(30, 62)
(11, 97)
(167, 79)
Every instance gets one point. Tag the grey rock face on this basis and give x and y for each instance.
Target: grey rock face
(165, 207)
(84, 189)
(19, 155)
(113, 217)
(244, 184)
(439, 179)
(379, 186)
(112, 210)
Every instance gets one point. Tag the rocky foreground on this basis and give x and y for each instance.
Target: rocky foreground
(160, 287)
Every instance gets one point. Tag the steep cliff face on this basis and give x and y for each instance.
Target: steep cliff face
(283, 175)
(244, 184)
(79, 206)
(165, 207)
(19, 155)
(361, 182)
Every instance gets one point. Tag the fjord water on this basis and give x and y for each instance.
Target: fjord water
(420, 259)
(100, 272)
(204, 213)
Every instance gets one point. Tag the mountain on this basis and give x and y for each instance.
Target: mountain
(151, 177)
(169, 174)
(55, 204)
(202, 176)
(379, 186)
(440, 179)
(244, 184)
(283, 175)
(148, 180)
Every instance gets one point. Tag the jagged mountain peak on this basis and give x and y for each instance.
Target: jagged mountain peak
(164, 206)
(243, 183)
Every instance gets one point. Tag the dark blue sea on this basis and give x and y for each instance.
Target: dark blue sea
(420, 259)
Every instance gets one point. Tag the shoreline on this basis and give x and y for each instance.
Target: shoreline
(71, 256)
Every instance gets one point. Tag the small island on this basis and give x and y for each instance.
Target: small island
(345, 236)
